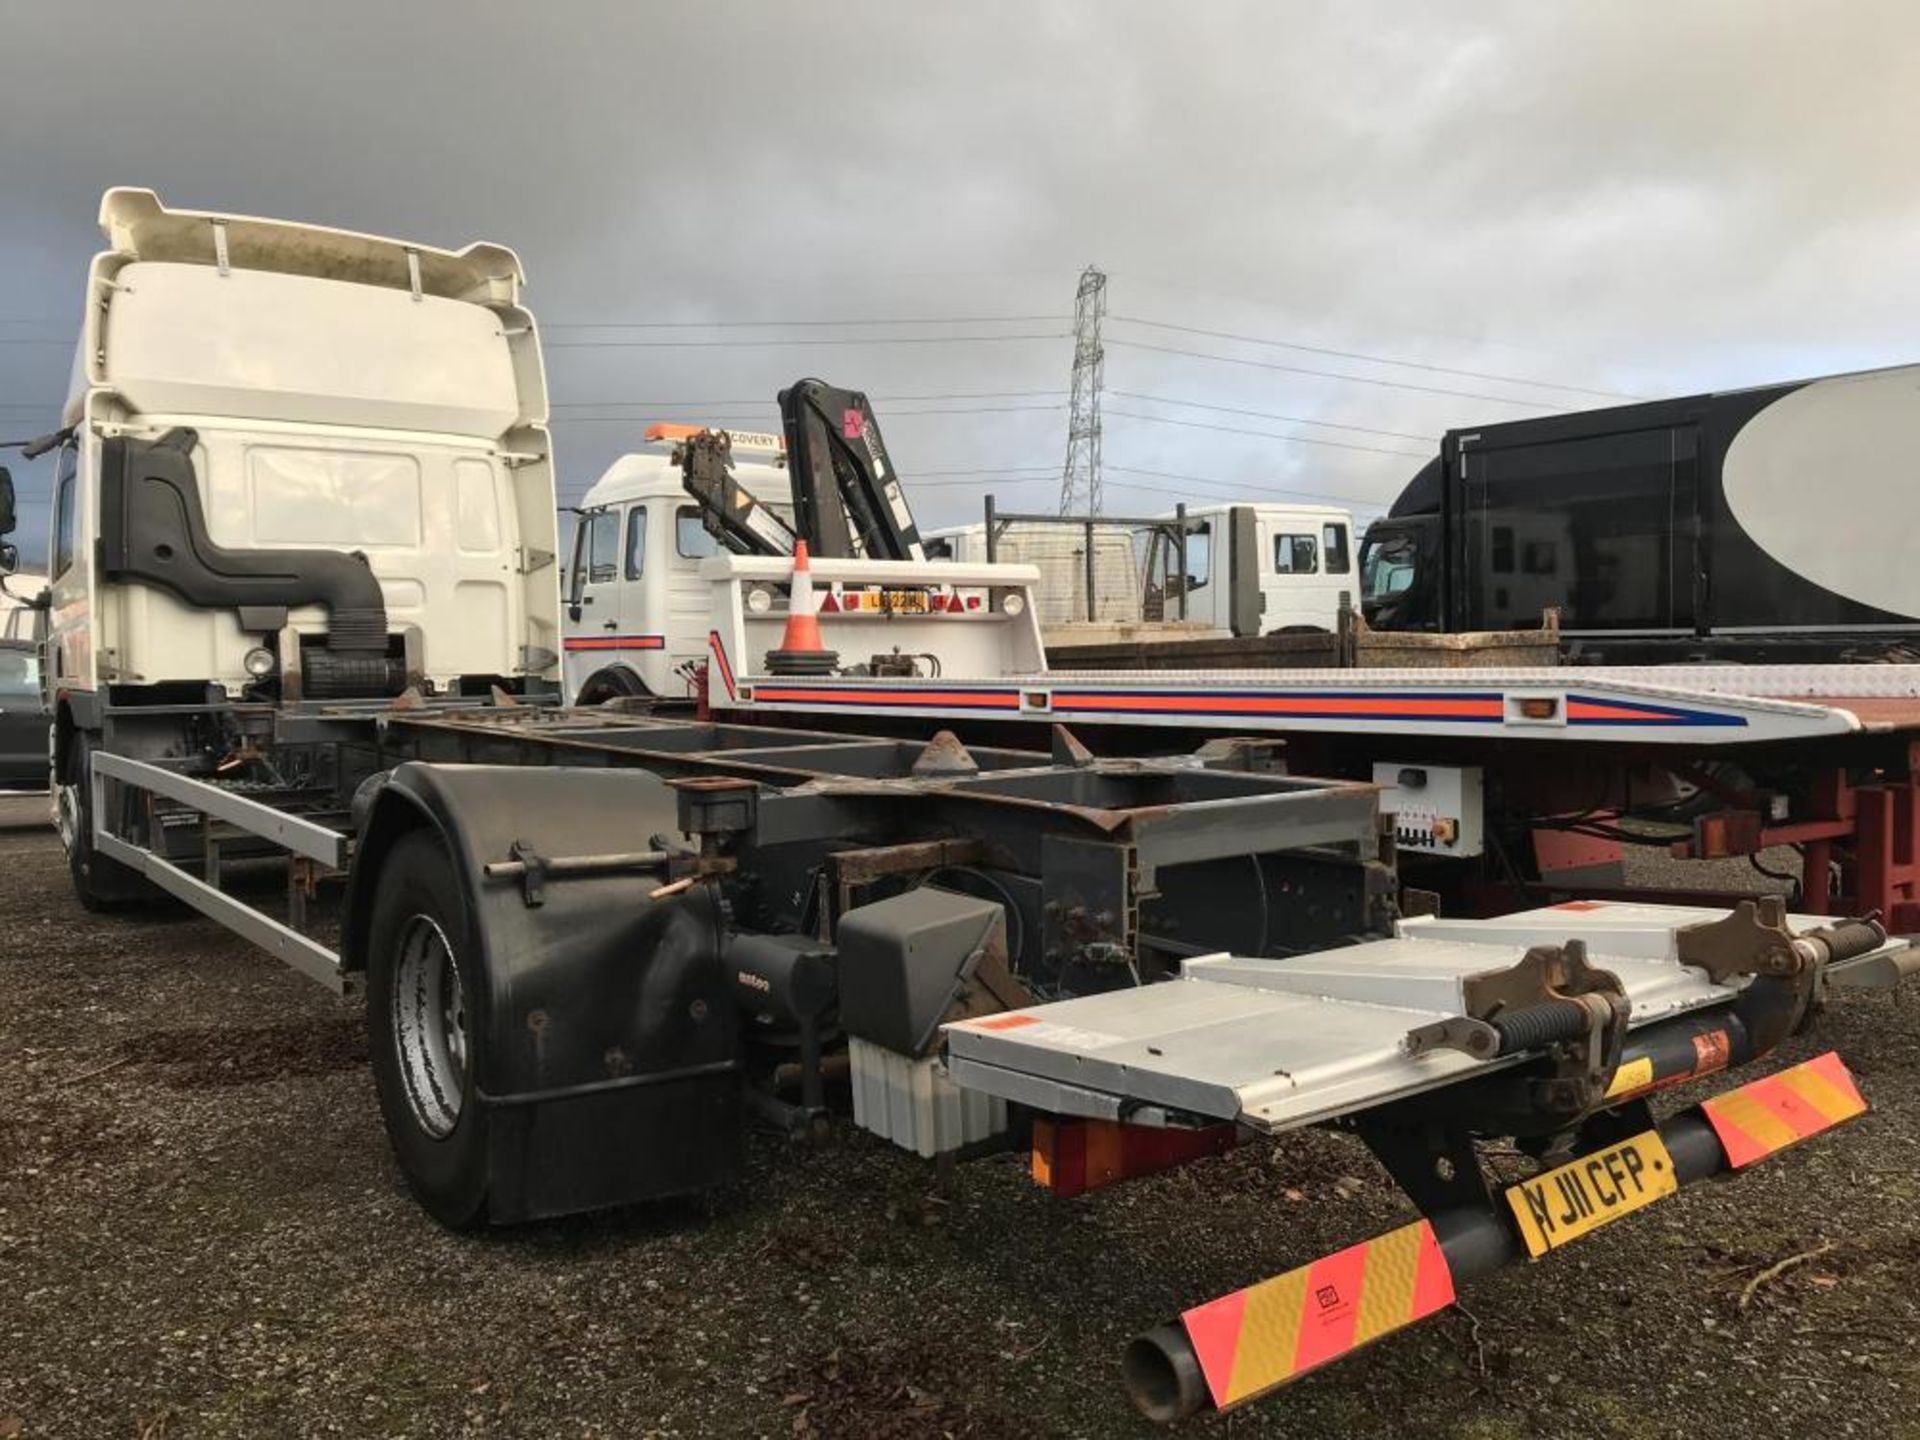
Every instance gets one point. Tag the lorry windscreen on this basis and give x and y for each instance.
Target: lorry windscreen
(1387, 566)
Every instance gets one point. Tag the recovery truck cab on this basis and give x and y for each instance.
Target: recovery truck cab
(637, 609)
(298, 465)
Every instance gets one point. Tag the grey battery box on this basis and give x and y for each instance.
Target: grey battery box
(904, 961)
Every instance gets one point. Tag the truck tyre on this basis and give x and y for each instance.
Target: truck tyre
(616, 682)
(100, 884)
(425, 1026)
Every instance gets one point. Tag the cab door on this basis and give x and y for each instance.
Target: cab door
(593, 598)
(689, 596)
(1309, 561)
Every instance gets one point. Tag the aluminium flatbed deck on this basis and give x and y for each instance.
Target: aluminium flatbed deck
(1716, 706)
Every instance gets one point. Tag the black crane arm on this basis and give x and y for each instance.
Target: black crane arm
(737, 518)
(847, 498)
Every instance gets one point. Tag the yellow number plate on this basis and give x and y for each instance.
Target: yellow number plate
(907, 602)
(1578, 1198)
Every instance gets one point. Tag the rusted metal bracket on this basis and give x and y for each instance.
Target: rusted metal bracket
(1257, 755)
(1788, 971)
(1752, 940)
(1755, 940)
(1550, 1000)
(944, 758)
(534, 870)
(533, 873)
(1067, 749)
(990, 985)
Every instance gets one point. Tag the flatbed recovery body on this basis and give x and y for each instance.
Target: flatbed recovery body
(992, 663)
(1529, 781)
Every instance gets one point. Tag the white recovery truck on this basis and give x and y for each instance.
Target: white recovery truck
(304, 614)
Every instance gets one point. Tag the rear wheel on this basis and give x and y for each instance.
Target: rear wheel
(99, 883)
(425, 1024)
(613, 683)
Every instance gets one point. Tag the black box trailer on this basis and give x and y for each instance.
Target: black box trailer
(1768, 523)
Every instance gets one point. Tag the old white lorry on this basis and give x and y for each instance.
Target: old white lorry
(1250, 569)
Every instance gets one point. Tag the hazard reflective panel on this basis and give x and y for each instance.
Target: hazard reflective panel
(1766, 1116)
(1254, 1339)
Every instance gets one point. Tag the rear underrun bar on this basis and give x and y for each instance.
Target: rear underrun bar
(1227, 1351)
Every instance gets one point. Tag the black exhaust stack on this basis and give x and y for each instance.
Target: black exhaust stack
(154, 531)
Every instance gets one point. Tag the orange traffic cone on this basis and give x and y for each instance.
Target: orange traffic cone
(801, 651)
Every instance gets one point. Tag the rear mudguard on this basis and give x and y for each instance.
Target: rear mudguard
(611, 1063)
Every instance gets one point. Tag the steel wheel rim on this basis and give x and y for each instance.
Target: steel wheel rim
(429, 1008)
(66, 816)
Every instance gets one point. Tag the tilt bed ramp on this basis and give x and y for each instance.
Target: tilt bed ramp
(596, 944)
(1512, 786)
(969, 644)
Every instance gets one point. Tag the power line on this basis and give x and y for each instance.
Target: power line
(881, 399)
(1269, 415)
(1036, 471)
(1223, 489)
(982, 410)
(1242, 301)
(790, 324)
(1376, 359)
(1331, 374)
(829, 340)
(1245, 486)
(891, 415)
(1267, 434)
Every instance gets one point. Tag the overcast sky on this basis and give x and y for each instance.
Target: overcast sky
(1631, 198)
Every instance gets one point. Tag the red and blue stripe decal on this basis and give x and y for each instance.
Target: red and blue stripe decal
(1452, 707)
(1587, 710)
(1462, 707)
(1467, 707)
(946, 697)
(615, 642)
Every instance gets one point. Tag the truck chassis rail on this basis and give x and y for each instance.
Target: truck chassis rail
(298, 836)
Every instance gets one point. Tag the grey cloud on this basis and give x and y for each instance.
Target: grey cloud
(1641, 197)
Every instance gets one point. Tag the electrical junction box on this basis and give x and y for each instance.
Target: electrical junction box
(1436, 809)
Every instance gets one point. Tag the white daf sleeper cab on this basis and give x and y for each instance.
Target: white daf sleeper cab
(298, 465)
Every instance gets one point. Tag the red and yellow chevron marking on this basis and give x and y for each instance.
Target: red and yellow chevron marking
(1768, 1115)
(1263, 1336)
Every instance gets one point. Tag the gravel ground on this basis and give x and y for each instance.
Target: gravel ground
(202, 1234)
